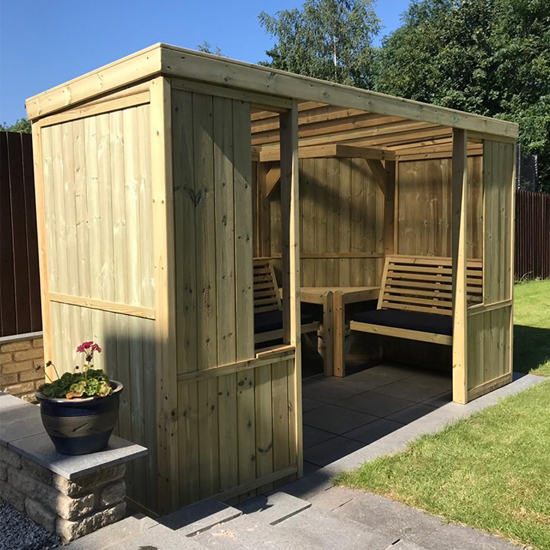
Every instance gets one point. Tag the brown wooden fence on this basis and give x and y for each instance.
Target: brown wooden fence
(19, 275)
(532, 235)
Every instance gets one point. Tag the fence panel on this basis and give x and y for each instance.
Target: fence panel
(19, 273)
(532, 257)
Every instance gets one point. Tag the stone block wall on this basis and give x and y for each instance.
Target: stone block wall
(20, 360)
(71, 509)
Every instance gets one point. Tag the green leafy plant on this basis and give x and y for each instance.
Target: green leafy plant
(85, 382)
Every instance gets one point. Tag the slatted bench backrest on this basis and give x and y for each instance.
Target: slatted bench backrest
(424, 284)
(266, 290)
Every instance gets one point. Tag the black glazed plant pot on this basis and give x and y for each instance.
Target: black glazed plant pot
(83, 425)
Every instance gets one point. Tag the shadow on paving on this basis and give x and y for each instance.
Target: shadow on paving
(343, 415)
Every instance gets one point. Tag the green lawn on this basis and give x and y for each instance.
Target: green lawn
(492, 470)
(532, 327)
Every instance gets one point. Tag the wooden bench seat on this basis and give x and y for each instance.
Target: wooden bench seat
(415, 299)
(268, 310)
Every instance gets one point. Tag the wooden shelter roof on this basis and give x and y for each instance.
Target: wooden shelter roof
(329, 113)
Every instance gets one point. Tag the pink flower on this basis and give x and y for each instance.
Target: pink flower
(88, 348)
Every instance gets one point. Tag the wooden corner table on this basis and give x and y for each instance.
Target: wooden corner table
(334, 300)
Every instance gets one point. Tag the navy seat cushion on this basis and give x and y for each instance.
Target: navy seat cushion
(266, 321)
(412, 320)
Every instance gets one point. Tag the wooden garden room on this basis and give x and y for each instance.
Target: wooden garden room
(185, 199)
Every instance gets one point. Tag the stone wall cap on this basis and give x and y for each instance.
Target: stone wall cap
(18, 419)
(22, 431)
(40, 449)
(18, 337)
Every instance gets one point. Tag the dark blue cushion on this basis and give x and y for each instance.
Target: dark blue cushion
(412, 320)
(273, 320)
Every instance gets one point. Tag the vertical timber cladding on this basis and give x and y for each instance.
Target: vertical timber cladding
(98, 224)
(424, 207)
(341, 222)
(234, 428)
(490, 327)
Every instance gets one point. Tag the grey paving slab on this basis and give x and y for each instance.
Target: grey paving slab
(40, 449)
(310, 485)
(320, 529)
(329, 390)
(457, 537)
(159, 538)
(273, 509)
(375, 404)
(310, 404)
(309, 468)
(239, 534)
(416, 388)
(112, 535)
(199, 517)
(8, 401)
(336, 419)
(407, 545)
(314, 436)
(362, 382)
(440, 400)
(331, 450)
(19, 420)
(406, 416)
(373, 431)
(387, 373)
(394, 518)
(332, 498)
(311, 530)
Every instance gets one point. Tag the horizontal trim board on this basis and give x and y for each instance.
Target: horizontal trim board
(255, 99)
(257, 483)
(490, 386)
(334, 150)
(135, 100)
(335, 255)
(181, 62)
(402, 333)
(273, 356)
(429, 156)
(482, 308)
(102, 305)
(128, 70)
(178, 62)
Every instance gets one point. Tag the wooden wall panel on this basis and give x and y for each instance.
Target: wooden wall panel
(341, 223)
(490, 326)
(98, 202)
(424, 207)
(490, 337)
(126, 354)
(498, 178)
(233, 428)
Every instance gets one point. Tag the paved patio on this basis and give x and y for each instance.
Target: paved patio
(343, 415)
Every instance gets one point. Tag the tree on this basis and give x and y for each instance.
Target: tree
(327, 39)
(490, 57)
(22, 126)
(206, 47)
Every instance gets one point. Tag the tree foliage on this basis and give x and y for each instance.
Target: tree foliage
(23, 126)
(327, 39)
(206, 47)
(490, 57)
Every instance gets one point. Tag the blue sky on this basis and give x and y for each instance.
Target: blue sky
(43, 44)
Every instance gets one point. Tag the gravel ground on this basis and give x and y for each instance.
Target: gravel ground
(18, 532)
